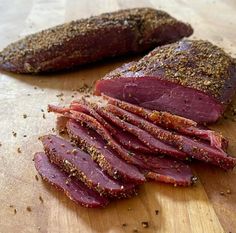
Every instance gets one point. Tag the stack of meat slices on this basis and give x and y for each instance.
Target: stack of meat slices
(116, 146)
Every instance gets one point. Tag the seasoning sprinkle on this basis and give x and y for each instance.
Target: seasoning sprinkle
(145, 224)
(28, 208)
(156, 212)
(36, 177)
(19, 150)
(41, 199)
(24, 116)
(14, 133)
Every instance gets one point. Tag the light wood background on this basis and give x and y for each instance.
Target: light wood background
(197, 209)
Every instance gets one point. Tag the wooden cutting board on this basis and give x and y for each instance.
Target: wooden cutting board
(198, 209)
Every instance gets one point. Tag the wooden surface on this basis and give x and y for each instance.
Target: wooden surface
(197, 209)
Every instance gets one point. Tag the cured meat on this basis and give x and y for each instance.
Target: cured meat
(154, 168)
(124, 138)
(191, 147)
(72, 187)
(142, 135)
(88, 40)
(169, 121)
(148, 132)
(186, 78)
(106, 159)
(78, 163)
(101, 130)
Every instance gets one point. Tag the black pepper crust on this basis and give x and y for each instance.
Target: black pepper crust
(88, 40)
(195, 64)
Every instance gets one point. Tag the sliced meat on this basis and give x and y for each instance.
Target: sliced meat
(154, 168)
(72, 187)
(78, 163)
(186, 78)
(142, 135)
(98, 149)
(124, 138)
(169, 121)
(95, 38)
(151, 142)
(130, 142)
(191, 147)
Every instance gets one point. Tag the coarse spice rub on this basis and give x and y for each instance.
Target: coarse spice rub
(187, 62)
(88, 40)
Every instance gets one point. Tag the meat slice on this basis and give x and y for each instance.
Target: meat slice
(186, 78)
(174, 122)
(191, 147)
(72, 187)
(142, 135)
(95, 38)
(124, 138)
(97, 148)
(154, 168)
(78, 163)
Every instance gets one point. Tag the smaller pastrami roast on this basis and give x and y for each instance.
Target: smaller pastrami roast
(190, 78)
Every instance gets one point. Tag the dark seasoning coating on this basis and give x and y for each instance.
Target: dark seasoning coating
(72, 42)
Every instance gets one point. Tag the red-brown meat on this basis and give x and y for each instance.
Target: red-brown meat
(170, 121)
(72, 187)
(190, 78)
(194, 148)
(78, 163)
(88, 40)
(154, 168)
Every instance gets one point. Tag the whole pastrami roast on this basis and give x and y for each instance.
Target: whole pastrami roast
(194, 79)
(92, 39)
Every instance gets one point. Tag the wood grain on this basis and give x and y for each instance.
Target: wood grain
(197, 209)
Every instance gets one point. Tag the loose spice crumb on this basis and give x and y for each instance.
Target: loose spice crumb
(222, 193)
(145, 224)
(156, 212)
(24, 135)
(15, 211)
(59, 95)
(41, 199)
(42, 110)
(135, 230)
(44, 117)
(0, 144)
(19, 150)
(24, 116)
(36, 177)
(28, 208)
(14, 133)
(129, 209)
(124, 224)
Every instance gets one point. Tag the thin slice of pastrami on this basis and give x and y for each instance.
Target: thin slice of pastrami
(98, 149)
(167, 170)
(142, 135)
(72, 187)
(124, 138)
(154, 168)
(166, 119)
(78, 163)
(170, 121)
(194, 148)
(85, 107)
